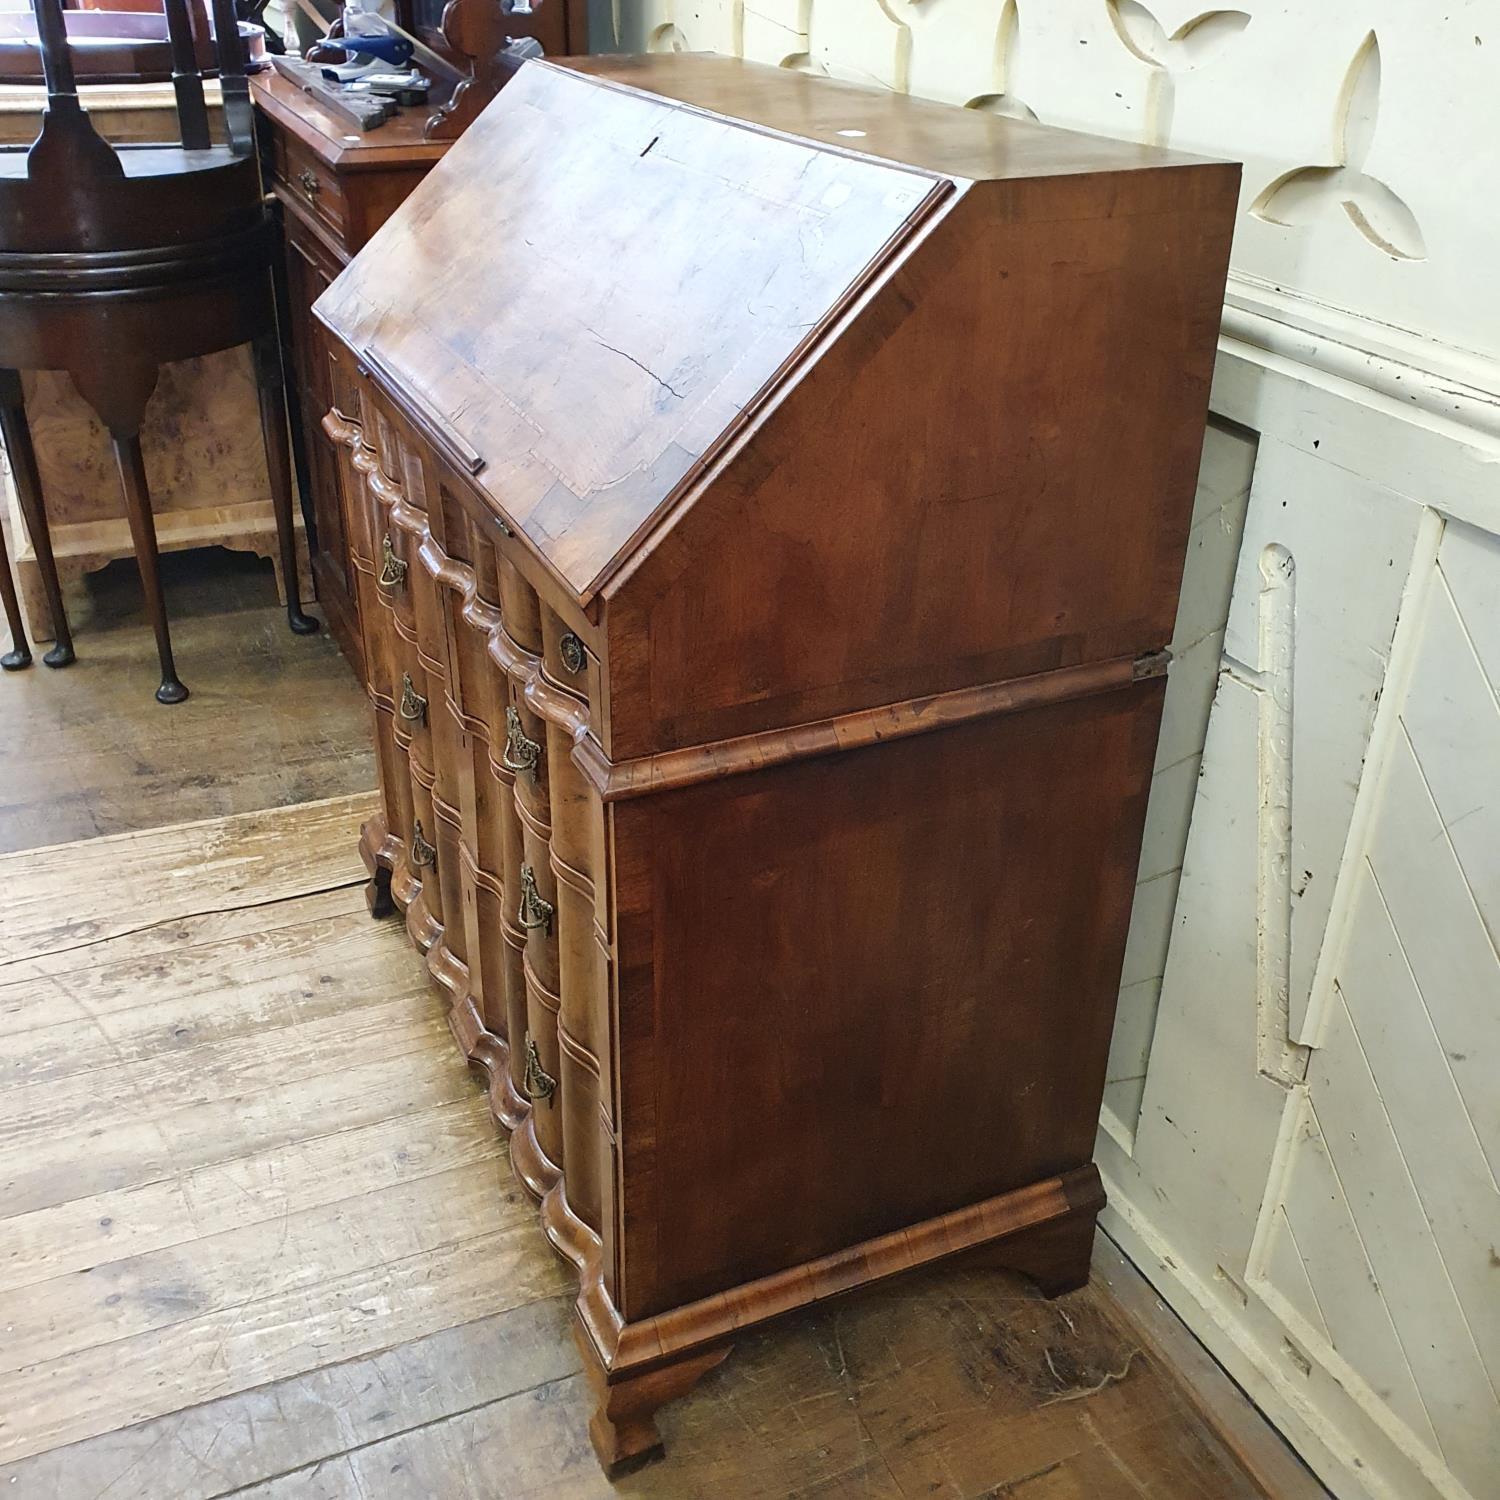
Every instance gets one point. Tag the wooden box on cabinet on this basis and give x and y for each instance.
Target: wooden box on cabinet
(777, 505)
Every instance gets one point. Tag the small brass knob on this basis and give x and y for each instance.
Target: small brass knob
(309, 184)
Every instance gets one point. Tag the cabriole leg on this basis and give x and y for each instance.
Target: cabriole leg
(143, 535)
(17, 433)
(270, 387)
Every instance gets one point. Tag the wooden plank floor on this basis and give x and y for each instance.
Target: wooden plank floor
(273, 718)
(258, 1237)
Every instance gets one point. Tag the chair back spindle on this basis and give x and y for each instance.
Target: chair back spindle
(67, 149)
(187, 83)
(70, 149)
(234, 87)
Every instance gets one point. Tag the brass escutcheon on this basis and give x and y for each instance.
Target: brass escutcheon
(413, 705)
(393, 570)
(309, 184)
(534, 912)
(422, 853)
(537, 1083)
(570, 648)
(520, 753)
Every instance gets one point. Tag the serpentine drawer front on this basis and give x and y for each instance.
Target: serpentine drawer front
(766, 530)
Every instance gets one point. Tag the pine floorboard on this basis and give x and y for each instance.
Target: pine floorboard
(274, 718)
(258, 1237)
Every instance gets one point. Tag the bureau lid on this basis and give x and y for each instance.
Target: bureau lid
(596, 287)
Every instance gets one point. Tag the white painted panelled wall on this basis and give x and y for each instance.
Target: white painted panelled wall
(1301, 1135)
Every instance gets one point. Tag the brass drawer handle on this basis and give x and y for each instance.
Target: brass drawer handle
(392, 570)
(422, 853)
(535, 912)
(413, 705)
(520, 753)
(309, 184)
(570, 648)
(537, 1083)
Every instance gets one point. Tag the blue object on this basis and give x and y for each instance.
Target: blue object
(388, 47)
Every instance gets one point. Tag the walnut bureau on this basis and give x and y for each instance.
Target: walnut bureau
(769, 517)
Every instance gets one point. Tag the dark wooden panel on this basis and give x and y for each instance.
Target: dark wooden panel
(334, 191)
(989, 474)
(309, 269)
(863, 990)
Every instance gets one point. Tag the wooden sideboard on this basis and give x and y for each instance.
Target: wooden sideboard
(768, 517)
(334, 189)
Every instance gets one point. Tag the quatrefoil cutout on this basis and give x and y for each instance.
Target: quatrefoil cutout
(1306, 194)
(1189, 47)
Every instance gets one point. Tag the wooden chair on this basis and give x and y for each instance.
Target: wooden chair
(122, 42)
(117, 260)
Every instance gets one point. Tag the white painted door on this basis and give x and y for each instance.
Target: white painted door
(1301, 1135)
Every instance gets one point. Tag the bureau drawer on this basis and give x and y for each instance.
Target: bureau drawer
(311, 183)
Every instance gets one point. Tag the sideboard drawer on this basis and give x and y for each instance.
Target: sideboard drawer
(311, 183)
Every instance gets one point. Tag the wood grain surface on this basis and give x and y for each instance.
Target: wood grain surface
(355, 1303)
(652, 378)
(274, 719)
(201, 438)
(195, 868)
(763, 610)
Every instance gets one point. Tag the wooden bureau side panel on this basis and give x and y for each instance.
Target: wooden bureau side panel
(365, 508)
(334, 192)
(989, 474)
(864, 990)
(374, 196)
(414, 662)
